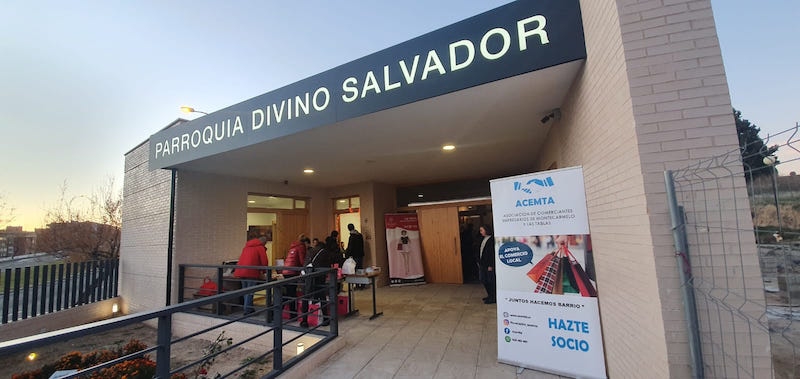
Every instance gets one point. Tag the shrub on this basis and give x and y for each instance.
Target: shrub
(135, 368)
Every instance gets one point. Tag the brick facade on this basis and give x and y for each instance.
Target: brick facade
(664, 105)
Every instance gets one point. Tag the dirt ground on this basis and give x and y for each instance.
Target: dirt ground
(181, 354)
(783, 312)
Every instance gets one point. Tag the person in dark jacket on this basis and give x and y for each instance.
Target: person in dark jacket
(355, 246)
(254, 253)
(332, 243)
(486, 262)
(315, 290)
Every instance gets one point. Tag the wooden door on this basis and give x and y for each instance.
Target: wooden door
(441, 247)
(289, 226)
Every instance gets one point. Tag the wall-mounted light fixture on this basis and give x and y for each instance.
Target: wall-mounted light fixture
(187, 109)
(115, 309)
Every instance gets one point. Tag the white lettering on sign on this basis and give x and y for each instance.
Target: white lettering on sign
(506, 43)
(206, 136)
(539, 31)
(433, 63)
(493, 45)
(461, 54)
(278, 112)
(454, 65)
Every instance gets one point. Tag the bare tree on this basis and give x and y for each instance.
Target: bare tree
(6, 212)
(85, 227)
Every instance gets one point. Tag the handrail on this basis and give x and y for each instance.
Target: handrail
(164, 316)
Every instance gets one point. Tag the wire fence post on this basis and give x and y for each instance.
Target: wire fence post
(684, 270)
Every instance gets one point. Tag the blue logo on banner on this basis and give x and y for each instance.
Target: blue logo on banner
(534, 187)
(515, 254)
(546, 182)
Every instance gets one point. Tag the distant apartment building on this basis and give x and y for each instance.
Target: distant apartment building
(14, 241)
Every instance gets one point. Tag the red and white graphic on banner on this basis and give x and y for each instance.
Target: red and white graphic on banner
(405, 254)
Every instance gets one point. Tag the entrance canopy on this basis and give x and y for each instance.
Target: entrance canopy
(483, 85)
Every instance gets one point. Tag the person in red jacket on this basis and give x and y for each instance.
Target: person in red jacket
(295, 258)
(254, 253)
(296, 255)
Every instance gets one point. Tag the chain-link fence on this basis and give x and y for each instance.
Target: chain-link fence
(740, 256)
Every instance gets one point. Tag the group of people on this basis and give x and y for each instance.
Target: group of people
(303, 255)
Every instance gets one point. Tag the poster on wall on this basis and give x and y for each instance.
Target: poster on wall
(405, 254)
(547, 314)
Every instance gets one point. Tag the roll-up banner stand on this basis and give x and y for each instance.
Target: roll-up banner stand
(405, 254)
(547, 315)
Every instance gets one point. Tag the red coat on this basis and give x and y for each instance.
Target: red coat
(253, 254)
(295, 258)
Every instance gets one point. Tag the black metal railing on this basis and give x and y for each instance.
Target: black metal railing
(37, 290)
(268, 315)
(197, 281)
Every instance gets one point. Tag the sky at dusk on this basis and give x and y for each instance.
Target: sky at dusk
(82, 83)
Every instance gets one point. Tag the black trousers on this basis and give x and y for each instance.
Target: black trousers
(489, 282)
(291, 291)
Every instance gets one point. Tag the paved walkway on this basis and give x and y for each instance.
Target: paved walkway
(426, 331)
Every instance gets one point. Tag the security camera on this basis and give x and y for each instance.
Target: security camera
(555, 115)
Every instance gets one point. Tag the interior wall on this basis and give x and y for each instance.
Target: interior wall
(384, 201)
(320, 216)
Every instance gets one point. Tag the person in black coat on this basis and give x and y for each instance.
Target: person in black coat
(486, 262)
(355, 246)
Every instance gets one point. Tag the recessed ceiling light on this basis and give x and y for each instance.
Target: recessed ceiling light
(308, 171)
(419, 195)
(448, 147)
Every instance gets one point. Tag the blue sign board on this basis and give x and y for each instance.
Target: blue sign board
(513, 39)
